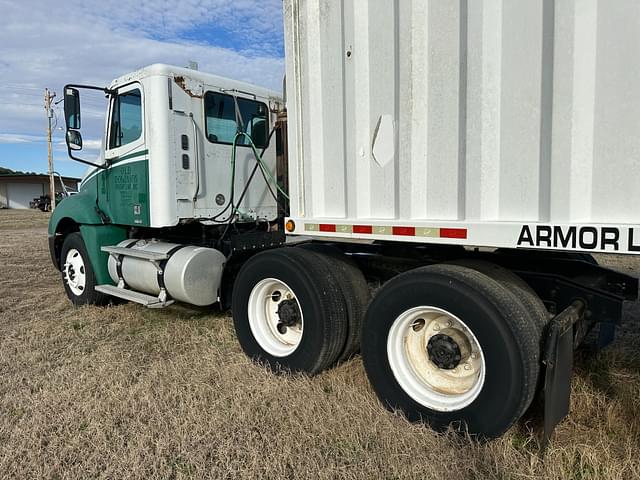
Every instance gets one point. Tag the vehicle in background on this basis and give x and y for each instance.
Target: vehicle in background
(43, 202)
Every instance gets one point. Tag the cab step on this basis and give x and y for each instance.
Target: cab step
(136, 253)
(132, 296)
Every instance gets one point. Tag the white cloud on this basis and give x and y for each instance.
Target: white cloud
(20, 138)
(93, 42)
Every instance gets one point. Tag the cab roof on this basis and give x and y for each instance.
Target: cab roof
(198, 76)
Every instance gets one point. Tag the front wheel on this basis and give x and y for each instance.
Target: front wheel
(77, 274)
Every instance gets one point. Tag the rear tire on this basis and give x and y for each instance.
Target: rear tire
(515, 284)
(354, 290)
(77, 273)
(480, 316)
(288, 311)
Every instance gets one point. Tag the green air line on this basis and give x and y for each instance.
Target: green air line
(259, 160)
(263, 167)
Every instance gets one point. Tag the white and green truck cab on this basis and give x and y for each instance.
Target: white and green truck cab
(460, 161)
(171, 151)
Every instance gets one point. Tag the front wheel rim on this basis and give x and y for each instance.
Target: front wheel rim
(275, 317)
(75, 272)
(435, 358)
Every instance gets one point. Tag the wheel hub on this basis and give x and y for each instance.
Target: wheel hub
(275, 317)
(71, 273)
(74, 272)
(435, 358)
(289, 313)
(444, 352)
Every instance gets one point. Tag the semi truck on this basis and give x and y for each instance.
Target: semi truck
(428, 189)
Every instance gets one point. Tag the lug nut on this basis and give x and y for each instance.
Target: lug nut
(467, 366)
(436, 327)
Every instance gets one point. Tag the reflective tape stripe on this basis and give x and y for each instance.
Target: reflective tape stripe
(453, 233)
(394, 230)
(327, 227)
(427, 232)
(382, 230)
(406, 231)
(362, 229)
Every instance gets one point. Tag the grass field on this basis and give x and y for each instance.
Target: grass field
(125, 392)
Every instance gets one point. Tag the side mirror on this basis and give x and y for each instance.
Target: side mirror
(72, 108)
(74, 139)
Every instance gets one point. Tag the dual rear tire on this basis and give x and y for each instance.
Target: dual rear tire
(449, 345)
(293, 310)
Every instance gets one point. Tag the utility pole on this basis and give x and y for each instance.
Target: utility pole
(48, 97)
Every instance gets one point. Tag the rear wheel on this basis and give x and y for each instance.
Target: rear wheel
(77, 273)
(451, 346)
(516, 285)
(354, 290)
(288, 310)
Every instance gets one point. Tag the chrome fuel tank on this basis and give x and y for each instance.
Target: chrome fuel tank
(190, 274)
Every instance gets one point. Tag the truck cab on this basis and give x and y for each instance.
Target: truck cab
(179, 146)
(168, 147)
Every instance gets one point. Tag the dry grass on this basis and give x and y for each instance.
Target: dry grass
(23, 220)
(124, 392)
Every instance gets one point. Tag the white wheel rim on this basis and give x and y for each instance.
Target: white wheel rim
(74, 272)
(441, 389)
(266, 325)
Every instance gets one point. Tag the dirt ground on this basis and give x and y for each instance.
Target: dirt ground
(125, 392)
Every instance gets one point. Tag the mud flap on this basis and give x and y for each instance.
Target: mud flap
(558, 361)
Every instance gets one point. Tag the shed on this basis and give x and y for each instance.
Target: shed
(17, 189)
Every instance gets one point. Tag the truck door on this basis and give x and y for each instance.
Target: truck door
(124, 189)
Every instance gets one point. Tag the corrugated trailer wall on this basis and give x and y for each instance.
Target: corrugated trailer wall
(468, 110)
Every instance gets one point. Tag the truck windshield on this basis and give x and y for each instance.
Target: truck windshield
(220, 116)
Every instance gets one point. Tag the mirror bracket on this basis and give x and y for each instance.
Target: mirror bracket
(107, 91)
(86, 162)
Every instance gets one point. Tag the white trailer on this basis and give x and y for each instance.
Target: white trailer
(486, 123)
(460, 159)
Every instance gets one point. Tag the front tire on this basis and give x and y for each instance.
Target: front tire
(450, 346)
(77, 273)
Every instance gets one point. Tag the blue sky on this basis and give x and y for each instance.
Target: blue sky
(90, 41)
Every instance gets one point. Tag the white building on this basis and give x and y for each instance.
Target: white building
(18, 190)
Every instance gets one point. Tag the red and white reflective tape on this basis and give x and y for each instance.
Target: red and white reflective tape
(391, 230)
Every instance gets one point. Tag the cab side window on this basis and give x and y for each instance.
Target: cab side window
(221, 116)
(126, 119)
